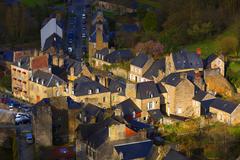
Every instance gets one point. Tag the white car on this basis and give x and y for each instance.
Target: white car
(18, 115)
(22, 119)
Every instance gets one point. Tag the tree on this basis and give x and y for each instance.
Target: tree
(153, 48)
(228, 44)
(150, 22)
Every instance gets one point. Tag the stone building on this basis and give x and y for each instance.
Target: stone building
(215, 62)
(107, 57)
(180, 91)
(225, 111)
(42, 124)
(85, 90)
(139, 65)
(22, 70)
(45, 85)
(183, 61)
(69, 69)
(145, 95)
(97, 41)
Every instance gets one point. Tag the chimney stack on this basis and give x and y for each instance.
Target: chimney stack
(199, 51)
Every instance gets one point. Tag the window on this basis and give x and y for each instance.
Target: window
(97, 90)
(150, 105)
(104, 99)
(179, 110)
(89, 91)
(150, 95)
(119, 89)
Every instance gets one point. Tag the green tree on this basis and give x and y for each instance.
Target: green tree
(150, 22)
(228, 44)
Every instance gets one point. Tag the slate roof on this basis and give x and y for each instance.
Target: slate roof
(174, 79)
(24, 62)
(74, 105)
(187, 60)
(128, 107)
(117, 85)
(161, 88)
(199, 95)
(209, 59)
(46, 79)
(53, 41)
(93, 36)
(140, 60)
(135, 150)
(83, 84)
(98, 138)
(174, 155)
(130, 4)
(156, 114)
(223, 105)
(116, 56)
(146, 89)
(154, 69)
(136, 125)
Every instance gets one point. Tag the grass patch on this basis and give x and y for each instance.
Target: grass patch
(211, 45)
(234, 66)
(150, 3)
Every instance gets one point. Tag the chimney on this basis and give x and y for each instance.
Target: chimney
(72, 71)
(199, 51)
(71, 87)
(60, 62)
(55, 60)
(183, 75)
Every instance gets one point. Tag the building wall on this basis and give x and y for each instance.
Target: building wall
(196, 107)
(42, 126)
(20, 82)
(170, 99)
(183, 98)
(101, 99)
(73, 123)
(117, 132)
(220, 115)
(116, 98)
(235, 119)
(38, 92)
(218, 63)
(143, 105)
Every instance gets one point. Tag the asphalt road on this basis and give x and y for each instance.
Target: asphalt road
(75, 24)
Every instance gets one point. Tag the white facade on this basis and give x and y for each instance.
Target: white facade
(50, 28)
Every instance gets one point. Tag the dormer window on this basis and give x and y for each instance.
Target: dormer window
(119, 89)
(97, 90)
(37, 79)
(57, 83)
(89, 91)
(102, 57)
(150, 95)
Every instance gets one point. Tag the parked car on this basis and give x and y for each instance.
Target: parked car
(22, 120)
(29, 138)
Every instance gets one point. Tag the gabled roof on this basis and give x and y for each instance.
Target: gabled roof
(153, 71)
(116, 56)
(134, 150)
(156, 114)
(128, 107)
(199, 95)
(147, 90)
(209, 59)
(98, 138)
(83, 84)
(174, 155)
(46, 79)
(187, 60)
(136, 125)
(223, 105)
(140, 60)
(117, 85)
(53, 41)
